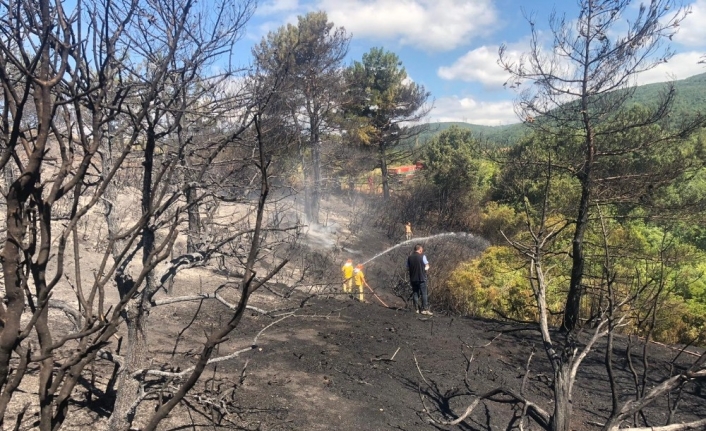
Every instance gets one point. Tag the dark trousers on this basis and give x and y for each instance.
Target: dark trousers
(419, 288)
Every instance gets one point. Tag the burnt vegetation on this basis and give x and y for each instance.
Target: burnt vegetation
(166, 211)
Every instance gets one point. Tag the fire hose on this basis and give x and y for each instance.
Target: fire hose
(376, 296)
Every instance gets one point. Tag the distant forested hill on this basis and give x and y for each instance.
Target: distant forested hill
(500, 135)
(690, 98)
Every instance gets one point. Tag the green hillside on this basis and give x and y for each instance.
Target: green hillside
(500, 135)
(690, 99)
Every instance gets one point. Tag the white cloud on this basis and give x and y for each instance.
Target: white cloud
(472, 111)
(481, 64)
(692, 31)
(429, 24)
(478, 65)
(681, 66)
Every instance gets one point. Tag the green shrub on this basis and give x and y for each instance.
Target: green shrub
(497, 218)
(492, 285)
(677, 322)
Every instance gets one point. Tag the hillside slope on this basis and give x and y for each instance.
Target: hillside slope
(322, 361)
(330, 367)
(338, 364)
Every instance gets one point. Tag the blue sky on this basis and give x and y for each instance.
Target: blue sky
(450, 46)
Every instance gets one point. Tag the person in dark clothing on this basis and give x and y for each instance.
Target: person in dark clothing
(418, 265)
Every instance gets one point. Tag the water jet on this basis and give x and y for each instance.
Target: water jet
(462, 235)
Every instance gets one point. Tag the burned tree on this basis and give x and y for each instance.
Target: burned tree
(593, 161)
(581, 88)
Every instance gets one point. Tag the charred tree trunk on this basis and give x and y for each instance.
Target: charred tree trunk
(44, 336)
(316, 170)
(585, 174)
(21, 220)
(137, 310)
(384, 172)
(193, 240)
(110, 195)
(561, 418)
(128, 387)
(573, 299)
(305, 179)
(11, 311)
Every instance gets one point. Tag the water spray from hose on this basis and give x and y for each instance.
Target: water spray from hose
(422, 239)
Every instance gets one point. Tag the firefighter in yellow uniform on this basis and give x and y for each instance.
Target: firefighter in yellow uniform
(359, 279)
(347, 270)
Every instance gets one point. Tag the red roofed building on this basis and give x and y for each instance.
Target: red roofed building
(406, 169)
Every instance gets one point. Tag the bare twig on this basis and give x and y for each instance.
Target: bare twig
(419, 369)
(391, 359)
(230, 356)
(694, 425)
(534, 410)
(203, 296)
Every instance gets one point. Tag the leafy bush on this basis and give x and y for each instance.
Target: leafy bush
(493, 284)
(497, 219)
(678, 322)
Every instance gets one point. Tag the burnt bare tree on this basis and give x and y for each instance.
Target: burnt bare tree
(581, 88)
(50, 162)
